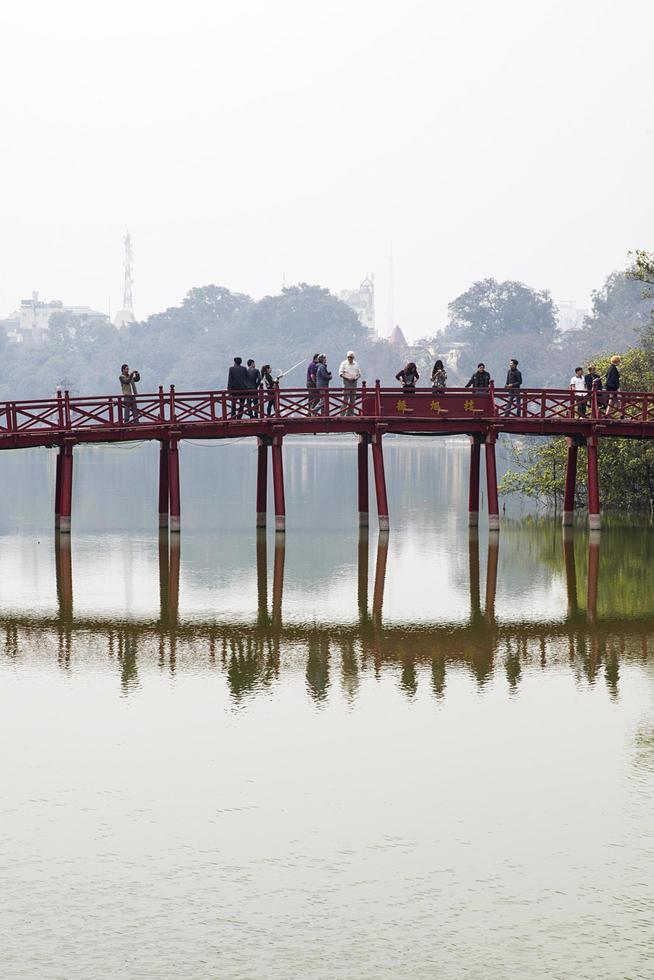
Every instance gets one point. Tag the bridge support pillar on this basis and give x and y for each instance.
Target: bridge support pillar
(262, 481)
(66, 488)
(473, 491)
(594, 518)
(491, 485)
(278, 484)
(164, 483)
(570, 483)
(362, 484)
(380, 481)
(57, 500)
(173, 480)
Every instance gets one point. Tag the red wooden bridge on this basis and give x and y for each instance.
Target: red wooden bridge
(369, 412)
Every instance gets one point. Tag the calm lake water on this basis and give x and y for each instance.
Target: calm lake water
(343, 755)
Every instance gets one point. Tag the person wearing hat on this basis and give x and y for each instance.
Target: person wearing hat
(349, 373)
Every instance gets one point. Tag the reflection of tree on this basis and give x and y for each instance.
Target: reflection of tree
(251, 666)
(127, 658)
(317, 670)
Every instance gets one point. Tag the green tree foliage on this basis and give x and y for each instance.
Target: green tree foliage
(500, 320)
(619, 315)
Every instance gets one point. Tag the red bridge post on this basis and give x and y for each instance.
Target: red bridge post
(57, 500)
(491, 484)
(173, 478)
(362, 483)
(570, 483)
(380, 481)
(66, 499)
(278, 483)
(473, 491)
(262, 480)
(164, 482)
(594, 518)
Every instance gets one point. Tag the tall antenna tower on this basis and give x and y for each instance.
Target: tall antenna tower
(391, 293)
(126, 314)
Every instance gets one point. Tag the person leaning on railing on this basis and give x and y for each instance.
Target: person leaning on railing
(128, 381)
(408, 376)
(481, 377)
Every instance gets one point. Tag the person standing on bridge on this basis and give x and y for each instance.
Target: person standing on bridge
(269, 383)
(237, 380)
(323, 374)
(593, 382)
(254, 380)
(128, 381)
(613, 385)
(513, 383)
(438, 378)
(349, 373)
(311, 383)
(408, 376)
(481, 377)
(579, 391)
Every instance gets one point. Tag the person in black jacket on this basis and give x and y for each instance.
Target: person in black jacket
(513, 383)
(613, 384)
(237, 380)
(481, 377)
(269, 383)
(593, 382)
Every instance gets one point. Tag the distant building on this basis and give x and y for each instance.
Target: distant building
(571, 316)
(30, 324)
(397, 338)
(362, 301)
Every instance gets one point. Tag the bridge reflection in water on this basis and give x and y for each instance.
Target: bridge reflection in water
(252, 654)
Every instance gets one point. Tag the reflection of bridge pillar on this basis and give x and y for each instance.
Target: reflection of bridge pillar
(593, 575)
(278, 580)
(473, 491)
(57, 500)
(570, 483)
(164, 489)
(173, 586)
(594, 518)
(570, 571)
(380, 481)
(362, 484)
(164, 575)
(362, 575)
(491, 484)
(64, 576)
(278, 483)
(66, 498)
(491, 577)
(380, 578)
(262, 481)
(262, 576)
(173, 477)
(473, 569)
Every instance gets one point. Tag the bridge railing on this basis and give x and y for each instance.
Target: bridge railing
(170, 407)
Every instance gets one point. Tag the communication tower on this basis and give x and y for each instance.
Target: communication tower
(126, 314)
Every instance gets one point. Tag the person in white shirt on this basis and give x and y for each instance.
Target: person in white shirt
(578, 385)
(349, 373)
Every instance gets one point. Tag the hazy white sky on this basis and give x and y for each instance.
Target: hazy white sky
(242, 140)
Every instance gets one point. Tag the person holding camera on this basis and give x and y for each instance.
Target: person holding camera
(128, 381)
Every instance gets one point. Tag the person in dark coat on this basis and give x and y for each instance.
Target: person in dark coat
(312, 370)
(254, 380)
(237, 380)
(613, 385)
(408, 376)
(513, 383)
(593, 382)
(481, 377)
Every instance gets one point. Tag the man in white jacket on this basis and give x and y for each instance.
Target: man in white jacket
(350, 373)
